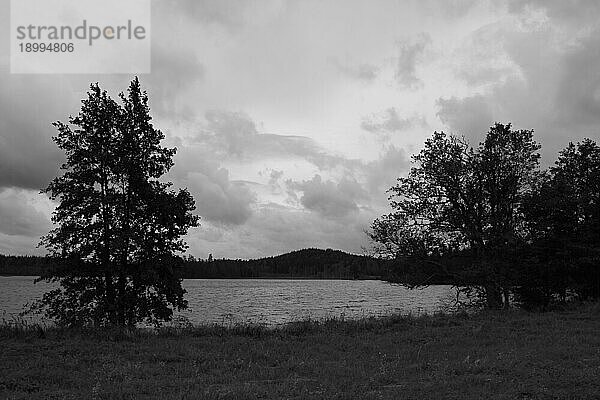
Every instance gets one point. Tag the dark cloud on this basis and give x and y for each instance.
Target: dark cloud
(328, 198)
(410, 52)
(28, 157)
(30, 103)
(470, 116)
(382, 173)
(18, 217)
(218, 199)
(174, 71)
(556, 92)
(389, 121)
(20, 245)
(578, 96)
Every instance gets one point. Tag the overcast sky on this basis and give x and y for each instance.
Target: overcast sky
(292, 118)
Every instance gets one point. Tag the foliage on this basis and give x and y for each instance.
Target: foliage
(118, 226)
(463, 203)
(563, 215)
(25, 265)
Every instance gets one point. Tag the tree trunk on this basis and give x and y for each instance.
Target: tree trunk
(110, 296)
(506, 294)
(122, 300)
(493, 296)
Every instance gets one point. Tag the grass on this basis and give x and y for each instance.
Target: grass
(498, 355)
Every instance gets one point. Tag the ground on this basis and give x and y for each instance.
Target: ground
(489, 355)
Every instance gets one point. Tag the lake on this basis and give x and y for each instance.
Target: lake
(270, 301)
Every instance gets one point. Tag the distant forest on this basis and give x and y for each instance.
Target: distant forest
(306, 263)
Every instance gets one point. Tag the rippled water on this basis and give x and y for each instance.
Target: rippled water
(270, 301)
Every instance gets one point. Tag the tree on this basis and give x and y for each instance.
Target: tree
(118, 227)
(563, 214)
(459, 210)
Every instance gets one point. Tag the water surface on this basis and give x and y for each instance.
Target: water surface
(269, 301)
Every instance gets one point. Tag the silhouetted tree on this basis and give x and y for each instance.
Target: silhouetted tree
(459, 210)
(563, 215)
(118, 226)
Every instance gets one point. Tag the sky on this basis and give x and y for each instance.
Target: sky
(292, 118)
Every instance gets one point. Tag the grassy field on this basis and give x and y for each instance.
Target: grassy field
(498, 355)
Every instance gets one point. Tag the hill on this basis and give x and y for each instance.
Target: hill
(306, 263)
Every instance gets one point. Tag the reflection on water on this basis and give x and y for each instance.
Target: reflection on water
(270, 301)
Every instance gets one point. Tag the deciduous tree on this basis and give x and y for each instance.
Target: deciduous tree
(459, 208)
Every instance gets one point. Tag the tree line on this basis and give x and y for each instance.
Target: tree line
(305, 263)
(489, 217)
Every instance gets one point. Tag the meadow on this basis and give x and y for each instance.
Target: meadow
(492, 354)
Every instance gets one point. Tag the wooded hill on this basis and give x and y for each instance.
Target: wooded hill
(306, 263)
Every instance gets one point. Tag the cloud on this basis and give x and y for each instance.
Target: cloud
(578, 97)
(232, 15)
(20, 245)
(469, 116)
(218, 199)
(382, 173)
(482, 57)
(231, 132)
(174, 71)
(234, 134)
(448, 8)
(18, 217)
(330, 199)
(28, 157)
(556, 91)
(410, 53)
(572, 11)
(275, 176)
(362, 72)
(389, 121)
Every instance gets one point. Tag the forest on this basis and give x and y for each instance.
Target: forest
(305, 263)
